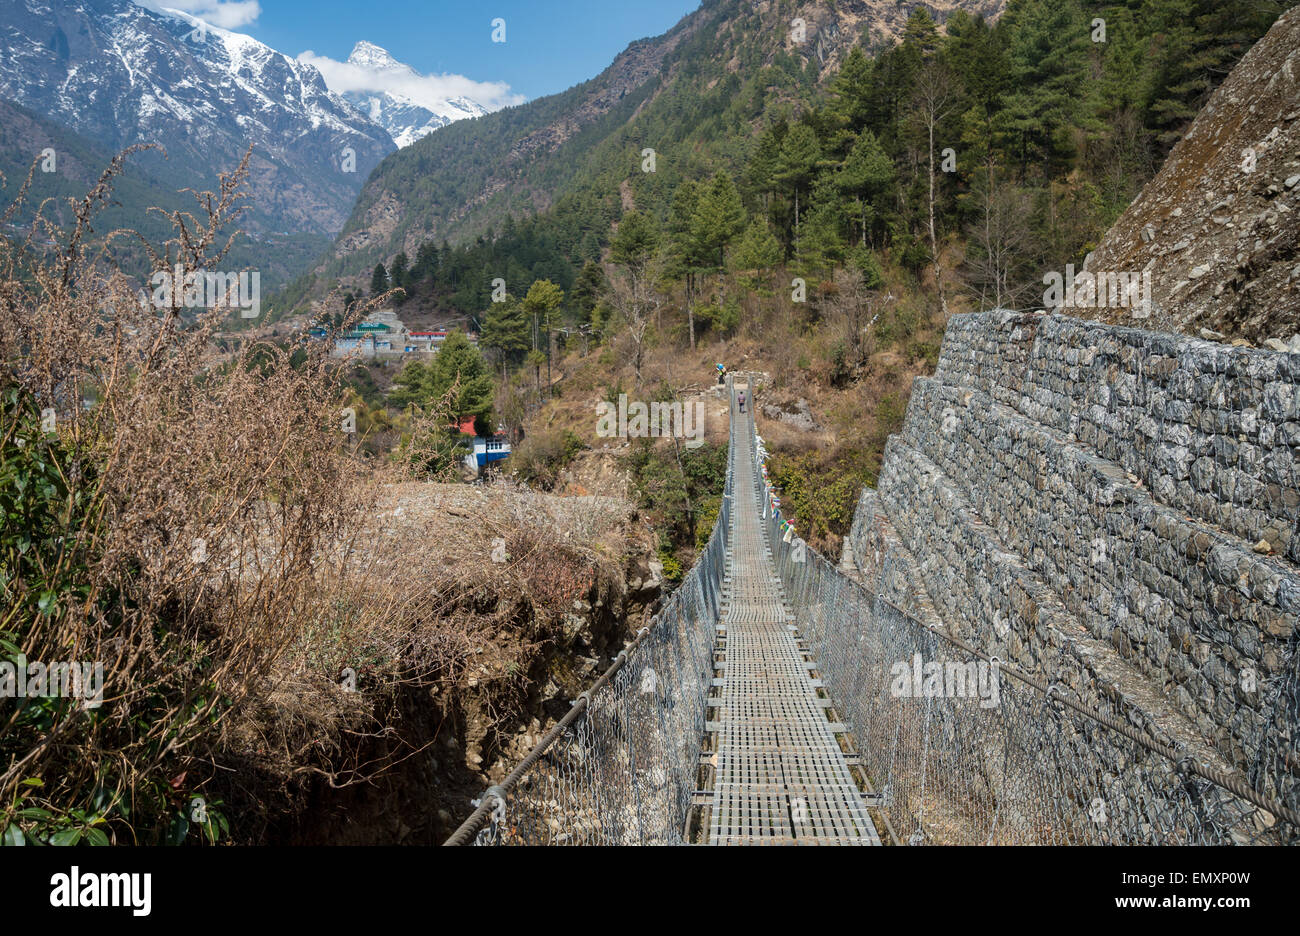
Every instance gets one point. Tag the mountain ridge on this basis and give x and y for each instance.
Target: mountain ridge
(76, 167)
(521, 160)
(118, 73)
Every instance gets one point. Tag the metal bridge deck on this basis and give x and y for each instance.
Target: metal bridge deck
(781, 776)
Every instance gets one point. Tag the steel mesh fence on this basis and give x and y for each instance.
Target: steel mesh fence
(964, 755)
(624, 771)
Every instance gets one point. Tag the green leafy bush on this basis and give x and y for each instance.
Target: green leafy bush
(675, 484)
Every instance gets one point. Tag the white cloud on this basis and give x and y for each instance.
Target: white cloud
(426, 90)
(226, 14)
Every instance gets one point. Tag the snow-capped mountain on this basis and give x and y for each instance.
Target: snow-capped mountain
(119, 74)
(398, 112)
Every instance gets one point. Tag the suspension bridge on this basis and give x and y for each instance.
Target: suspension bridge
(762, 706)
(780, 773)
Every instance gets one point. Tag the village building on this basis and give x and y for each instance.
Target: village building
(383, 334)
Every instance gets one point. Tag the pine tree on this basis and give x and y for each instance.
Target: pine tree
(819, 245)
(586, 291)
(761, 170)
(867, 176)
(684, 252)
(398, 274)
(921, 32)
(1048, 56)
(799, 156)
(457, 378)
(542, 302)
(851, 91)
(426, 261)
(719, 218)
(636, 242)
(409, 386)
(757, 251)
(977, 53)
(1196, 43)
(506, 330)
(378, 280)
(687, 255)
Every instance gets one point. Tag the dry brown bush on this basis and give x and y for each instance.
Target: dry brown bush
(213, 553)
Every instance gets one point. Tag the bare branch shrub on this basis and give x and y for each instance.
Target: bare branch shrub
(196, 498)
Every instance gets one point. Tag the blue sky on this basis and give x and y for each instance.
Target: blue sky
(550, 44)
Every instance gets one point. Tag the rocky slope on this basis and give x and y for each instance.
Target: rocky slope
(1218, 228)
(78, 163)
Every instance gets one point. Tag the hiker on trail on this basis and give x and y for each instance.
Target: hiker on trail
(741, 400)
(722, 373)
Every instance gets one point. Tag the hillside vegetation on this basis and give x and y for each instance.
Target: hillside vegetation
(817, 206)
(196, 526)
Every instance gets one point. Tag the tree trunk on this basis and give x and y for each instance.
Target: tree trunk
(934, 243)
(690, 306)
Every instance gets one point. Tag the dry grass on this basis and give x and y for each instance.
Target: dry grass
(226, 553)
(199, 492)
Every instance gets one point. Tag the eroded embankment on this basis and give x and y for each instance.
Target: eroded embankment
(509, 603)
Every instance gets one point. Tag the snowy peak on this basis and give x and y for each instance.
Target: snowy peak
(271, 78)
(368, 55)
(398, 98)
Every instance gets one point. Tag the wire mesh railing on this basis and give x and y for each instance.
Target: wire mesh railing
(620, 767)
(964, 749)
